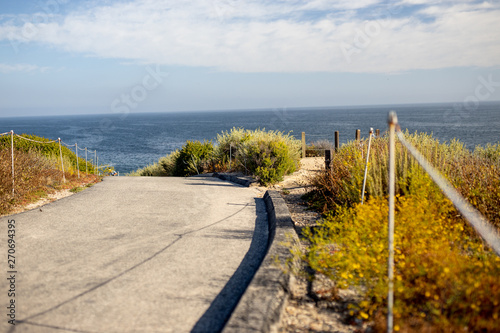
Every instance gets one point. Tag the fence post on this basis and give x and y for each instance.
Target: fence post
(358, 135)
(328, 158)
(392, 120)
(95, 161)
(366, 166)
(12, 155)
(77, 164)
(230, 156)
(337, 141)
(62, 163)
(377, 132)
(303, 144)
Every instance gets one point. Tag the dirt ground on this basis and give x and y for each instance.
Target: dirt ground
(57, 194)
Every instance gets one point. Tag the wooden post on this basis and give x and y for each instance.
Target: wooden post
(303, 144)
(328, 158)
(358, 135)
(337, 141)
(377, 132)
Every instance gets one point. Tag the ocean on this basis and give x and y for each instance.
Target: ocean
(130, 141)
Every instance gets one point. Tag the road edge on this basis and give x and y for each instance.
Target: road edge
(244, 181)
(260, 307)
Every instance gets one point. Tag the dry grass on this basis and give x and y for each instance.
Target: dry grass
(35, 177)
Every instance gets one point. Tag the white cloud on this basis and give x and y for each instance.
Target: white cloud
(282, 36)
(26, 68)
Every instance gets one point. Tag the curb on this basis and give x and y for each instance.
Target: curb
(247, 182)
(260, 307)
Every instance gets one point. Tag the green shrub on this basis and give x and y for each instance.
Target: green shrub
(163, 168)
(194, 158)
(270, 161)
(152, 170)
(269, 155)
(168, 162)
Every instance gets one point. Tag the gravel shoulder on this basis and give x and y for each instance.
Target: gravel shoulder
(314, 305)
(82, 183)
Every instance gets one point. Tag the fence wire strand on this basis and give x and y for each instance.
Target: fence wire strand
(59, 141)
(67, 145)
(22, 137)
(472, 215)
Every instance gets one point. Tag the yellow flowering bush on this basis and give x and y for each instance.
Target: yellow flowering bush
(446, 279)
(476, 174)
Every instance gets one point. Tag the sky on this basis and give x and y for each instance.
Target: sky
(63, 57)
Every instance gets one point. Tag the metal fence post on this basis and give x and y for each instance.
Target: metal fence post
(392, 120)
(12, 155)
(77, 164)
(366, 166)
(62, 163)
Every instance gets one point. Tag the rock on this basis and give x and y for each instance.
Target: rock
(316, 326)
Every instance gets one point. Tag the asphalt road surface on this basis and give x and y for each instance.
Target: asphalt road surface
(133, 254)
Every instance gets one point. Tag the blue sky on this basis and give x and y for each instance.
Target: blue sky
(82, 57)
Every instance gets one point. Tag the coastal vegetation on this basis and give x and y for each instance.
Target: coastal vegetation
(446, 278)
(267, 155)
(38, 171)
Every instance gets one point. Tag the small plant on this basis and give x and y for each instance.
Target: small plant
(77, 189)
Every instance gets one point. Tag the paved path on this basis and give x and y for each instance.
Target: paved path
(135, 254)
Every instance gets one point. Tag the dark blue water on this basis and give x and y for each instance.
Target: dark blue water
(131, 141)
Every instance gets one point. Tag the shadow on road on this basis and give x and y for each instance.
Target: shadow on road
(214, 319)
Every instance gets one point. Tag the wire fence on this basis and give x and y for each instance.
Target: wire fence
(94, 164)
(478, 222)
(481, 225)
